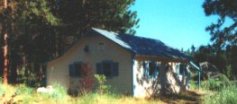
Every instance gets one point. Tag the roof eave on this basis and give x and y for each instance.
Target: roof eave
(160, 58)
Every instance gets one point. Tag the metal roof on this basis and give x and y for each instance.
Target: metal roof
(142, 45)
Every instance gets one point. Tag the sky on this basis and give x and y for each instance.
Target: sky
(177, 23)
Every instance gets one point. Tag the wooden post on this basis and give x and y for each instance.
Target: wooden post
(199, 79)
(5, 51)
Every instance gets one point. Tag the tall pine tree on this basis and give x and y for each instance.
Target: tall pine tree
(39, 29)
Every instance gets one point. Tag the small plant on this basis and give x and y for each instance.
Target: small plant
(102, 87)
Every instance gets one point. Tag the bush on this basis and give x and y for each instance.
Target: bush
(226, 95)
(216, 83)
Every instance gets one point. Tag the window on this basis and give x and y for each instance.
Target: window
(177, 68)
(183, 69)
(107, 68)
(75, 69)
(151, 69)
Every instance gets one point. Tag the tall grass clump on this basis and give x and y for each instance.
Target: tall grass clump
(59, 92)
(227, 95)
(223, 91)
(24, 90)
(216, 83)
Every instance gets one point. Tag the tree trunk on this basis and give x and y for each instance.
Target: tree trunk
(5, 60)
(5, 51)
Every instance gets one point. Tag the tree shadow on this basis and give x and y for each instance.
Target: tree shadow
(167, 86)
(185, 97)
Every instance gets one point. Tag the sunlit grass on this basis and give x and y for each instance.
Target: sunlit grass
(94, 98)
(22, 94)
(227, 95)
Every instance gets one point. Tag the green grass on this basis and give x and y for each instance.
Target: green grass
(216, 84)
(226, 95)
(21, 94)
(222, 91)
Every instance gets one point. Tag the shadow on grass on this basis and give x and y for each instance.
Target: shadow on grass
(187, 97)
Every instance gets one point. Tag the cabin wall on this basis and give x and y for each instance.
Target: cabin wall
(99, 49)
(143, 86)
(146, 87)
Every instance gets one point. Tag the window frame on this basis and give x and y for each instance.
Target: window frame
(147, 69)
(113, 68)
(75, 69)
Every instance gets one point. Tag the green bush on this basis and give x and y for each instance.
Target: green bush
(216, 83)
(227, 95)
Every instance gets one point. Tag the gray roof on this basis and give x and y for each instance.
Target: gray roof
(142, 46)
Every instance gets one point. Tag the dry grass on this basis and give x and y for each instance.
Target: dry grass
(113, 99)
(21, 94)
(188, 97)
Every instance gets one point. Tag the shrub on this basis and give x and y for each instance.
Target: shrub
(226, 95)
(216, 83)
(102, 87)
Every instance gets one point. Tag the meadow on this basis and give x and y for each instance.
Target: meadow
(21, 94)
(211, 92)
(220, 91)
